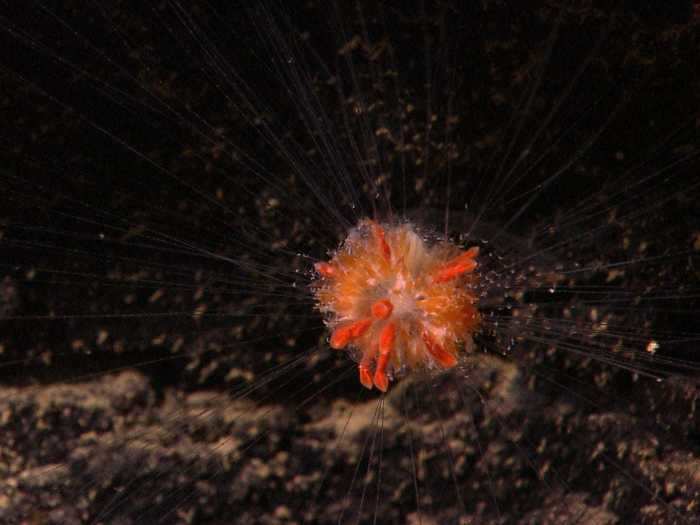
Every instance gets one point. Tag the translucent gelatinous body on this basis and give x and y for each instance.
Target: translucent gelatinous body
(402, 302)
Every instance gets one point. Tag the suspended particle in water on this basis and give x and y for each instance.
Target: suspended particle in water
(398, 301)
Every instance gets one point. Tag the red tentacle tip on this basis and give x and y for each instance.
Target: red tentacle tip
(386, 346)
(326, 270)
(381, 381)
(382, 309)
(365, 376)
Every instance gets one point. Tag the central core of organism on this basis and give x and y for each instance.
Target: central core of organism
(397, 301)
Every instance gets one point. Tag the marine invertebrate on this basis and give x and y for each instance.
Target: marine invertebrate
(399, 300)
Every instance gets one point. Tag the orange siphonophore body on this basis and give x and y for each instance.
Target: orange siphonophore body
(400, 301)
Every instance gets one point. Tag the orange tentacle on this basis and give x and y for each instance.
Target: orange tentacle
(379, 235)
(461, 264)
(442, 356)
(386, 346)
(343, 335)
